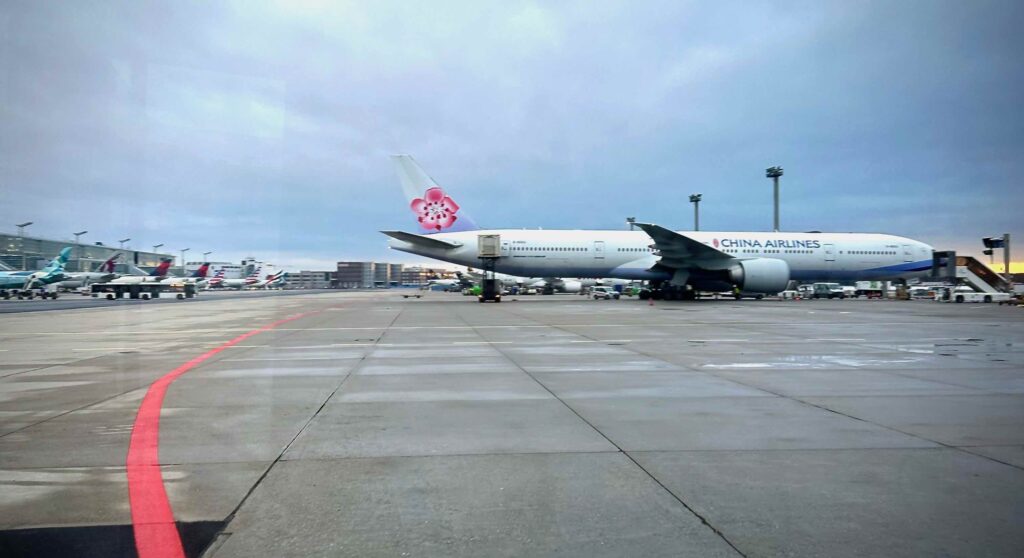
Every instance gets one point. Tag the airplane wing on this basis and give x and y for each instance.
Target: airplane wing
(679, 251)
(421, 240)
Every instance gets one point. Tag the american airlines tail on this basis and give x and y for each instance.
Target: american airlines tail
(434, 209)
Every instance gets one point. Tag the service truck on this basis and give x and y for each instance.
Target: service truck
(964, 293)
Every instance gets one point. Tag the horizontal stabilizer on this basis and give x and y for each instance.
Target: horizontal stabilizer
(424, 241)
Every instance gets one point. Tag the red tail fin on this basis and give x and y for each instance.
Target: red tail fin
(161, 270)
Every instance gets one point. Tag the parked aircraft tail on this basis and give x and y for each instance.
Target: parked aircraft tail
(201, 272)
(61, 259)
(108, 266)
(435, 210)
(161, 270)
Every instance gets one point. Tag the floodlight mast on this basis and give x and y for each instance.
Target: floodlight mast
(774, 173)
(21, 240)
(79, 246)
(695, 200)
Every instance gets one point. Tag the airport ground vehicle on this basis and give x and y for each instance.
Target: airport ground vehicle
(828, 290)
(869, 289)
(144, 291)
(604, 293)
(927, 293)
(490, 289)
(41, 292)
(967, 294)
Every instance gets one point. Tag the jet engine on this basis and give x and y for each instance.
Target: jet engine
(571, 286)
(760, 275)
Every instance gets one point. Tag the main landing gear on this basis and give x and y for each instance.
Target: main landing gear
(662, 290)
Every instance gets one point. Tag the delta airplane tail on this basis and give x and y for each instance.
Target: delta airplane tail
(161, 270)
(201, 272)
(434, 209)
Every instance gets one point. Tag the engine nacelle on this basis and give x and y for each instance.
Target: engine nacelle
(571, 286)
(760, 275)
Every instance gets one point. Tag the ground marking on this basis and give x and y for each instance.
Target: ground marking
(156, 534)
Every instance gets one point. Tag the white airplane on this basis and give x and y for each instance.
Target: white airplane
(81, 280)
(217, 280)
(267, 282)
(198, 277)
(156, 276)
(676, 262)
(241, 283)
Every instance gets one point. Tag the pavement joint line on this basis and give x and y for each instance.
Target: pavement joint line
(644, 470)
(108, 349)
(873, 325)
(880, 425)
(152, 516)
(80, 408)
(280, 456)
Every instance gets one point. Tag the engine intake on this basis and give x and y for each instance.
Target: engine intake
(760, 275)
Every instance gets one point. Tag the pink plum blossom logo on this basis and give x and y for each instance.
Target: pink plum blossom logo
(716, 242)
(435, 210)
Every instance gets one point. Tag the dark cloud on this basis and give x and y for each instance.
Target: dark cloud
(263, 128)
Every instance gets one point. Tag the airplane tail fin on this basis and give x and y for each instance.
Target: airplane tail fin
(435, 210)
(201, 272)
(61, 260)
(108, 266)
(161, 270)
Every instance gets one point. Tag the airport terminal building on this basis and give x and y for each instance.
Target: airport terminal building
(29, 252)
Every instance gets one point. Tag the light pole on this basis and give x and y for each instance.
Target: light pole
(21, 241)
(1003, 242)
(183, 250)
(122, 241)
(1006, 260)
(155, 248)
(695, 200)
(774, 173)
(206, 254)
(79, 246)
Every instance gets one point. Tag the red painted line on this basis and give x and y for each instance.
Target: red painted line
(156, 534)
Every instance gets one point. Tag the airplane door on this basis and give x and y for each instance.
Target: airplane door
(504, 249)
(830, 252)
(908, 255)
(598, 249)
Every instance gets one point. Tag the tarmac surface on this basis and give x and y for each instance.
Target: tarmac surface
(374, 425)
(72, 301)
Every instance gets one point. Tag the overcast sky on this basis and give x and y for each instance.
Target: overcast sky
(263, 129)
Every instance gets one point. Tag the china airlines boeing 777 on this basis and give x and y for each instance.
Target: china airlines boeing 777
(754, 262)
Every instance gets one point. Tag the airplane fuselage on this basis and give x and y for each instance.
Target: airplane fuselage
(631, 255)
